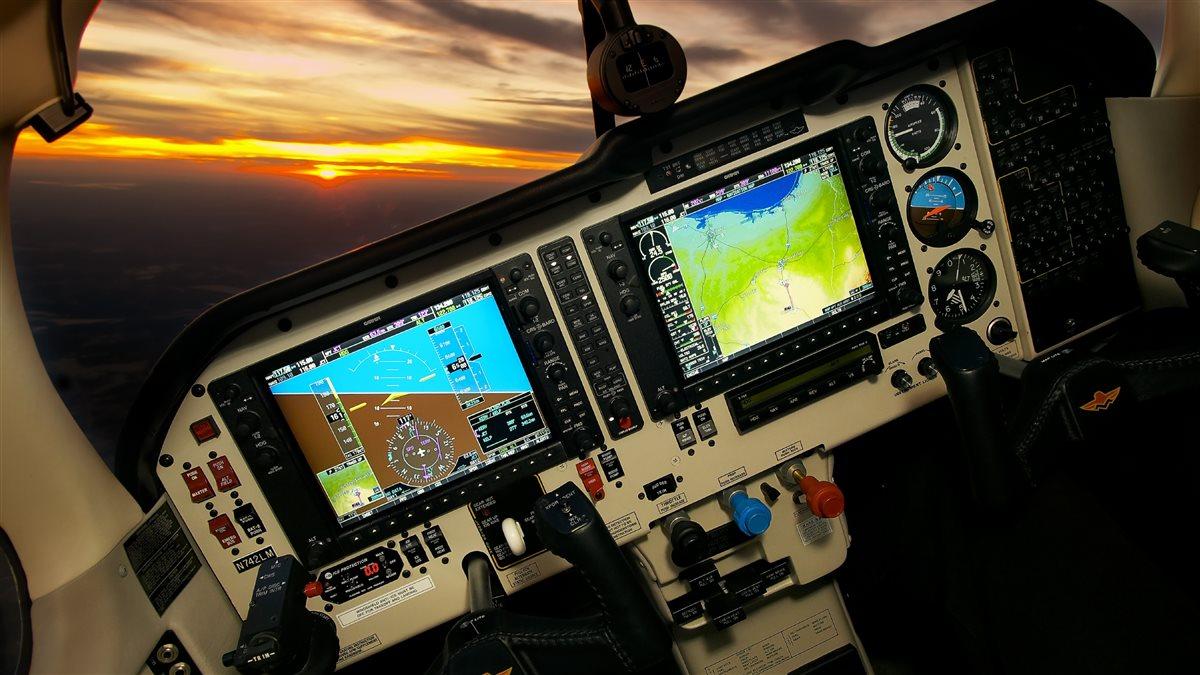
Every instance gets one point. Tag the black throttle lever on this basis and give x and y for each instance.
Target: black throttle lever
(972, 376)
(570, 527)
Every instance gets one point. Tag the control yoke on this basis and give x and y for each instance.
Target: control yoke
(627, 636)
(1085, 395)
(1173, 250)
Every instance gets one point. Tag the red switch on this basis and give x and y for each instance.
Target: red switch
(313, 589)
(224, 474)
(197, 484)
(205, 430)
(824, 498)
(592, 482)
(221, 527)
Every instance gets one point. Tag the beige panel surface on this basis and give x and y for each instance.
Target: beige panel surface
(1179, 63)
(645, 455)
(1157, 143)
(102, 622)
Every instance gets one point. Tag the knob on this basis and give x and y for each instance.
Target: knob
(872, 166)
(266, 456)
(901, 380)
(824, 498)
(543, 342)
(630, 305)
(557, 372)
(529, 307)
(247, 423)
(863, 134)
(1000, 331)
(688, 541)
(514, 536)
(664, 402)
(584, 439)
(879, 198)
(927, 368)
(909, 296)
(750, 515)
(618, 270)
(516, 275)
(313, 589)
(316, 553)
(618, 407)
(605, 238)
(985, 227)
(232, 392)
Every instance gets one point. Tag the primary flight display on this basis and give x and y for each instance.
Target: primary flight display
(411, 405)
(742, 265)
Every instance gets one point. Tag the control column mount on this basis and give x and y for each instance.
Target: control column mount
(568, 404)
(589, 334)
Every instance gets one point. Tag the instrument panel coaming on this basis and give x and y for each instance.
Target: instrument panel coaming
(433, 591)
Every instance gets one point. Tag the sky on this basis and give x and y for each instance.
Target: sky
(235, 141)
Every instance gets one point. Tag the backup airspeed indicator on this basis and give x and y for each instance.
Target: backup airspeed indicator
(921, 126)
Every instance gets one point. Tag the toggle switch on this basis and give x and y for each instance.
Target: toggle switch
(514, 536)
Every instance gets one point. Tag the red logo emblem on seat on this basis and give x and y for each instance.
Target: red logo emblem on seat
(1101, 400)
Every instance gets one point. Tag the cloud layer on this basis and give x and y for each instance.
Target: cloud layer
(232, 82)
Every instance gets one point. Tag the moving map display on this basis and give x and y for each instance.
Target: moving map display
(411, 405)
(743, 265)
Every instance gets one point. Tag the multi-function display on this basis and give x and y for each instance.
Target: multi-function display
(411, 405)
(752, 261)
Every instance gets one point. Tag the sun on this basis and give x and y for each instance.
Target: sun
(328, 174)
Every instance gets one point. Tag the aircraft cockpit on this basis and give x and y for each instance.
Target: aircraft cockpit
(877, 360)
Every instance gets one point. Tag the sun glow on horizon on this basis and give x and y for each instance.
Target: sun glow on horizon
(415, 157)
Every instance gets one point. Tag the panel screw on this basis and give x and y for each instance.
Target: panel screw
(165, 460)
(167, 653)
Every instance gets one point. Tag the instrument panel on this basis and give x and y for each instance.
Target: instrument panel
(765, 293)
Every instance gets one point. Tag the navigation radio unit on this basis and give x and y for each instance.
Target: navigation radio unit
(758, 268)
(388, 421)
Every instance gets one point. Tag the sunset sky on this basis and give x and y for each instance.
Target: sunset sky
(415, 89)
(239, 140)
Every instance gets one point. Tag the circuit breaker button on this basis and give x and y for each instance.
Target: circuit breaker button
(198, 485)
(223, 474)
(221, 527)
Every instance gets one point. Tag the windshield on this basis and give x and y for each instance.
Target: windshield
(234, 142)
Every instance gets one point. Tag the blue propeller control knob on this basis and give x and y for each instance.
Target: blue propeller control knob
(750, 515)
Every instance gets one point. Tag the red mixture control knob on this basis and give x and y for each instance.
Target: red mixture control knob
(313, 589)
(824, 498)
